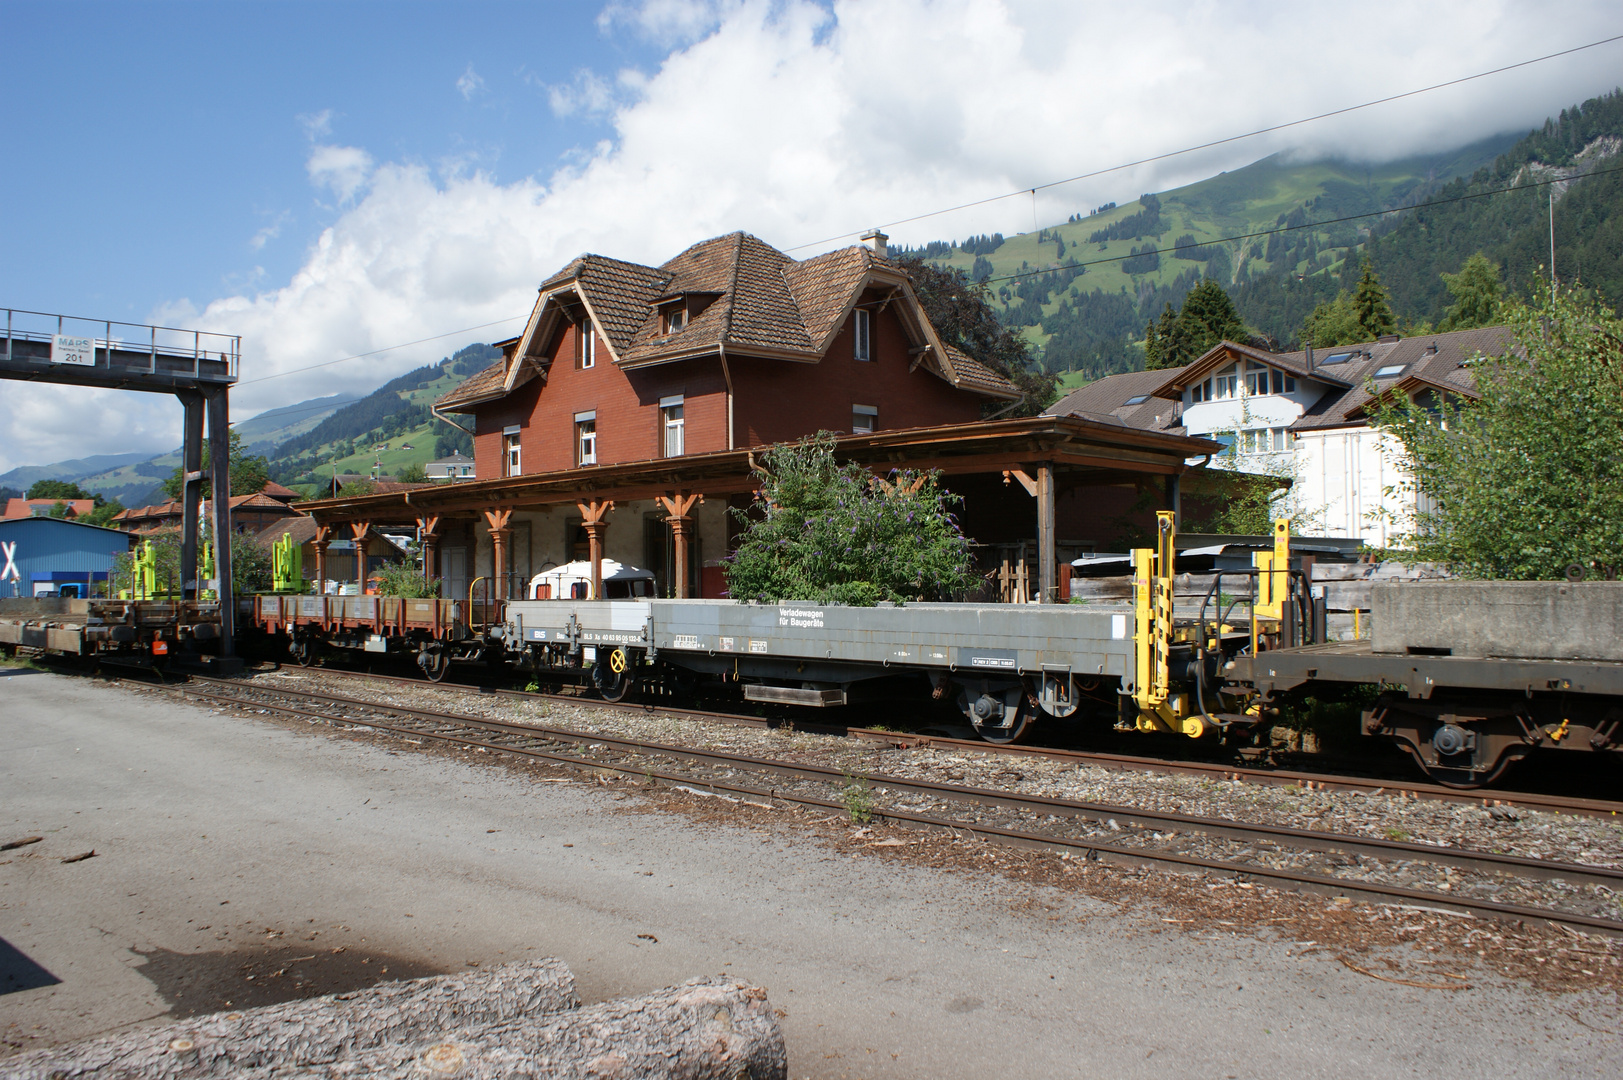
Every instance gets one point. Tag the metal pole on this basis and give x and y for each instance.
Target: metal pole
(1552, 243)
(191, 473)
(219, 410)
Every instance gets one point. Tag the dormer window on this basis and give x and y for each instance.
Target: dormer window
(862, 335)
(676, 318)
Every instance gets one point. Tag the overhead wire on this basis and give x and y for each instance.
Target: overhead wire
(1528, 186)
(1033, 189)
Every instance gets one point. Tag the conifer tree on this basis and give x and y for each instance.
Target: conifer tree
(1370, 300)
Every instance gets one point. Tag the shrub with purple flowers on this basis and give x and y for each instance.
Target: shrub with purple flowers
(834, 533)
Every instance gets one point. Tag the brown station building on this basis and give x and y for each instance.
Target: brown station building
(621, 424)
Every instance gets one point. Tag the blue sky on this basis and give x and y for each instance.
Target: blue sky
(340, 178)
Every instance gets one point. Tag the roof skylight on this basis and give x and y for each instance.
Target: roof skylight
(1390, 371)
(1137, 399)
(1335, 358)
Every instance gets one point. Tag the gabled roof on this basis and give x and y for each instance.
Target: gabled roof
(1106, 400)
(745, 297)
(1225, 353)
(1436, 362)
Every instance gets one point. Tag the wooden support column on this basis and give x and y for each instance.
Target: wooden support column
(499, 532)
(1174, 498)
(322, 539)
(360, 529)
(1047, 587)
(1042, 489)
(428, 535)
(591, 519)
(679, 508)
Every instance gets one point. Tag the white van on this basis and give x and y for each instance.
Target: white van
(573, 581)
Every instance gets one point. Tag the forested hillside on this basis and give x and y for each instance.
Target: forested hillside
(1082, 293)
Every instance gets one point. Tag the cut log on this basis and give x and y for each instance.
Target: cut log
(697, 1031)
(311, 1032)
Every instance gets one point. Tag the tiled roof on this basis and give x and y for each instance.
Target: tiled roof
(21, 508)
(1439, 360)
(476, 387)
(1107, 398)
(751, 298)
(280, 493)
(1434, 360)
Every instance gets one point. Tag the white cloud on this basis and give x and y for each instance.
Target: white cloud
(470, 84)
(797, 121)
(589, 94)
(341, 169)
(269, 232)
(316, 124)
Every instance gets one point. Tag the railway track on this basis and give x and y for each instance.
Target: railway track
(1220, 771)
(1303, 860)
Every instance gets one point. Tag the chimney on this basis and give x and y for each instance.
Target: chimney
(1310, 358)
(876, 241)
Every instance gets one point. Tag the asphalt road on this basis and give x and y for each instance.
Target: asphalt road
(226, 846)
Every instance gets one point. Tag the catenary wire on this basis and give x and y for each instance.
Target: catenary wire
(1217, 142)
(375, 352)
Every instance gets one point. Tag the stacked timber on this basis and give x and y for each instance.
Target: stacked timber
(516, 1020)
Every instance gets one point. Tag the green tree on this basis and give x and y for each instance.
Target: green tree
(1526, 480)
(1333, 322)
(63, 490)
(249, 472)
(104, 513)
(1207, 317)
(1475, 290)
(833, 533)
(1372, 303)
(963, 318)
(413, 474)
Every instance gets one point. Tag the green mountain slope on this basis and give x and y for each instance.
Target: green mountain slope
(1083, 291)
(1094, 292)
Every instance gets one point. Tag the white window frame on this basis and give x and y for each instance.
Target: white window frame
(672, 426)
(512, 452)
(862, 335)
(586, 438)
(676, 318)
(864, 419)
(1225, 386)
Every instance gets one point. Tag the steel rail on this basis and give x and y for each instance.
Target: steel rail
(1554, 804)
(1091, 850)
(1302, 839)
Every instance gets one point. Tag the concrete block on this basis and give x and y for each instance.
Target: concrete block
(1532, 620)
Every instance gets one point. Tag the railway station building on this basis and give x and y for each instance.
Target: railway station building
(625, 420)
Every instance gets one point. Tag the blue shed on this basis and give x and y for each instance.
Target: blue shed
(43, 556)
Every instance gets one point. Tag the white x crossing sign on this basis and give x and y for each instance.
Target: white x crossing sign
(10, 573)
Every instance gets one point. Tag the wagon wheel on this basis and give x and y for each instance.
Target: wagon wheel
(612, 675)
(434, 661)
(302, 650)
(1003, 717)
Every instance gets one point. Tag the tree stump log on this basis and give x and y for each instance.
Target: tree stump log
(697, 1031)
(311, 1032)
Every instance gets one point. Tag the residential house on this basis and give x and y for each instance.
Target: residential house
(22, 508)
(249, 514)
(455, 467)
(1303, 415)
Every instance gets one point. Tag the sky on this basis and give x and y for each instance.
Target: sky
(342, 178)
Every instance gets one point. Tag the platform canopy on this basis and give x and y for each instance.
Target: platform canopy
(1106, 453)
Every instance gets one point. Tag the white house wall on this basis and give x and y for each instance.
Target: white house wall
(1347, 471)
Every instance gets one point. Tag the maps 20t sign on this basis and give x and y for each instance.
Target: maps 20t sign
(67, 349)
